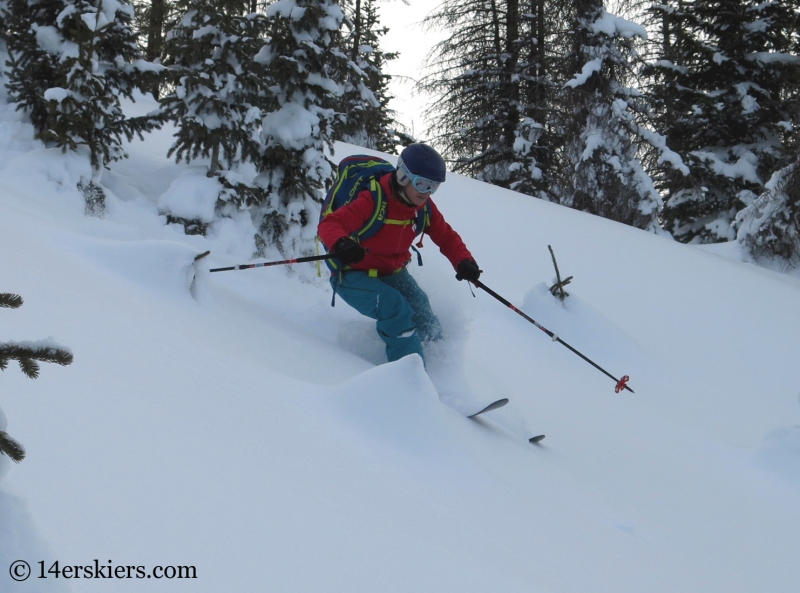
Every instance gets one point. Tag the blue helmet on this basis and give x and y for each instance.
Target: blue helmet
(420, 162)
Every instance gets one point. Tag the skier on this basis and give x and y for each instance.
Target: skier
(373, 277)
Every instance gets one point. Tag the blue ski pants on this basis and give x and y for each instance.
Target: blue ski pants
(401, 308)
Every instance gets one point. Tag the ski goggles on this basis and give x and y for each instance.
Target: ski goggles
(422, 184)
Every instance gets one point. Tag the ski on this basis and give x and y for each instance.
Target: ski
(535, 440)
(492, 406)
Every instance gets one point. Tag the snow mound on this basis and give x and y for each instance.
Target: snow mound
(192, 196)
(395, 406)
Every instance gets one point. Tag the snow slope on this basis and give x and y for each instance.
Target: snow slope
(248, 429)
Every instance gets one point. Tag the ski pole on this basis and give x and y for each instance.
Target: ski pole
(621, 383)
(297, 260)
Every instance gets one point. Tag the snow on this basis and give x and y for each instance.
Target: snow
(586, 72)
(56, 94)
(47, 344)
(613, 25)
(192, 196)
(49, 38)
(743, 167)
(287, 9)
(240, 425)
(291, 125)
(772, 57)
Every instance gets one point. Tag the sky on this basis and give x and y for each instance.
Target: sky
(237, 423)
(407, 36)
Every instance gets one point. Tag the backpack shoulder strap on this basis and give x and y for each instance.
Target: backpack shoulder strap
(378, 218)
(424, 218)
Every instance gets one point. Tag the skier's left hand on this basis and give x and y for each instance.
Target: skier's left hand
(468, 270)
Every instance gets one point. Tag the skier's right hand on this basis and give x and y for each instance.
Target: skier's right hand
(349, 251)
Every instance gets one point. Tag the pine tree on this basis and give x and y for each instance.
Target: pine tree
(533, 168)
(32, 69)
(770, 227)
(494, 113)
(476, 113)
(218, 96)
(3, 21)
(71, 61)
(152, 17)
(304, 66)
(150, 25)
(28, 355)
(604, 174)
(364, 117)
(723, 77)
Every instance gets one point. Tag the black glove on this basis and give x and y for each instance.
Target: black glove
(349, 251)
(468, 269)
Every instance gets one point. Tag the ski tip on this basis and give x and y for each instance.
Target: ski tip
(536, 440)
(202, 255)
(492, 406)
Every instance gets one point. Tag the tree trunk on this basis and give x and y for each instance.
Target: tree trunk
(510, 67)
(357, 24)
(155, 36)
(155, 29)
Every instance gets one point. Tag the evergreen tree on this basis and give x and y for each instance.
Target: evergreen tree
(364, 116)
(28, 355)
(304, 63)
(71, 61)
(770, 227)
(536, 136)
(218, 94)
(495, 103)
(3, 21)
(152, 17)
(151, 21)
(476, 111)
(33, 50)
(603, 173)
(723, 76)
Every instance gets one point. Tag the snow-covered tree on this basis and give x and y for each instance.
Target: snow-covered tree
(218, 94)
(304, 63)
(34, 49)
(604, 174)
(28, 355)
(770, 227)
(486, 75)
(528, 64)
(499, 114)
(150, 25)
(726, 81)
(364, 117)
(152, 17)
(71, 62)
(3, 17)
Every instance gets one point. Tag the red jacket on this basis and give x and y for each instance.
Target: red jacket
(389, 250)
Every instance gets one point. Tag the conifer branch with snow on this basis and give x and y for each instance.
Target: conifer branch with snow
(28, 355)
(770, 227)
